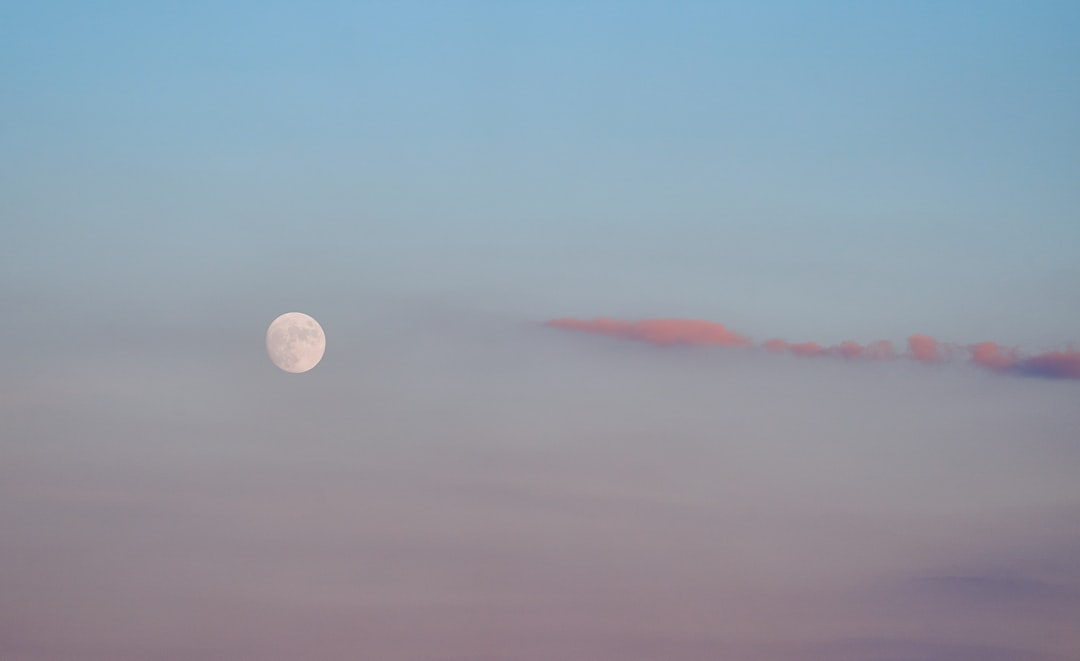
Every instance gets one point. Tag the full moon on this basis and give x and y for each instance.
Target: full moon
(295, 342)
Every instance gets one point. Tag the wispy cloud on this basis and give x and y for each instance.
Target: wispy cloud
(1060, 364)
(661, 332)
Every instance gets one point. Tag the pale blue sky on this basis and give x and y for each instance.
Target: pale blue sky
(820, 171)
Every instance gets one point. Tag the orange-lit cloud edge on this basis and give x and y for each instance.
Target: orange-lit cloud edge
(1062, 364)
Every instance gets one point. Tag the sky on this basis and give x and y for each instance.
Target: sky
(698, 330)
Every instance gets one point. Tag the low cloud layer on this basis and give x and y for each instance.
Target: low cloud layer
(1061, 364)
(464, 488)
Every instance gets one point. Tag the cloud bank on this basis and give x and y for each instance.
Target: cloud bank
(1061, 364)
(456, 487)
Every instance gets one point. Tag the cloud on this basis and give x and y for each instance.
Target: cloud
(659, 332)
(435, 494)
(807, 349)
(880, 350)
(998, 589)
(920, 348)
(1051, 365)
(925, 349)
(994, 357)
(885, 649)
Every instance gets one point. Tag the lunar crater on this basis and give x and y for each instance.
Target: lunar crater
(295, 342)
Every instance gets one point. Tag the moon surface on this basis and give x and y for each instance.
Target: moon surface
(295, 342)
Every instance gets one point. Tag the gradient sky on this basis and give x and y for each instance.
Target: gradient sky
(827, 168)
(433, 181)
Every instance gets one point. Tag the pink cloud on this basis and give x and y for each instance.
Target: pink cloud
(660, 332)
(925, 349)
(807, 349)
(994, 357)
(880, 350)
(920, 348)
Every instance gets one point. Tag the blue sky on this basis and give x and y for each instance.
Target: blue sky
(826, 169)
